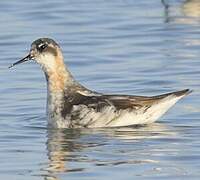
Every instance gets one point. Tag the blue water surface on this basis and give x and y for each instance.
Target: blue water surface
(112, 46)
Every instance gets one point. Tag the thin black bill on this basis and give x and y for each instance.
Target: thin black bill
(27, 58)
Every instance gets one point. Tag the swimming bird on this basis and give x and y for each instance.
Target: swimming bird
(71, 105)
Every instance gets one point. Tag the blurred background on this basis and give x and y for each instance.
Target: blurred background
(114, 46)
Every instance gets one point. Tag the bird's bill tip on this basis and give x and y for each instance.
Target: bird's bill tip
(27, 58)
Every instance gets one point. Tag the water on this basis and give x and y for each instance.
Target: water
(124, 46)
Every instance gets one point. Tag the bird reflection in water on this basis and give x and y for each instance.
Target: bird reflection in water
(62, 145)
(70, 149)
(188, 12)
(191, 8)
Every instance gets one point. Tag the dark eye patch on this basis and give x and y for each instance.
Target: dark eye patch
(41, 47)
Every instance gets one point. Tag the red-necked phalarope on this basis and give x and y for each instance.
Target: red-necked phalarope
(72, 105)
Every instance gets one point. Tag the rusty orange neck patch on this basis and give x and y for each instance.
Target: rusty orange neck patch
(59, 76)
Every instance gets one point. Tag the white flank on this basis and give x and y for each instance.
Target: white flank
(150, 116)
(109, 117)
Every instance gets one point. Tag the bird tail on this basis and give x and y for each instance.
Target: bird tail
(167, 101)
(177, 94)
(181, 93)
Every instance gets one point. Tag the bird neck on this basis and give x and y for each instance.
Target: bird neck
(58, 77)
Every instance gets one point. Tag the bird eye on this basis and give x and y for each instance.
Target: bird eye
(41, 47)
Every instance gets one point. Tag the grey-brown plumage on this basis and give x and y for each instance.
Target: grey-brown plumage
(72, 105)
(99, 102)
(118, 101)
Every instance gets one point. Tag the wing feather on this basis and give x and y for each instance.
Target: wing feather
(99, 101)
